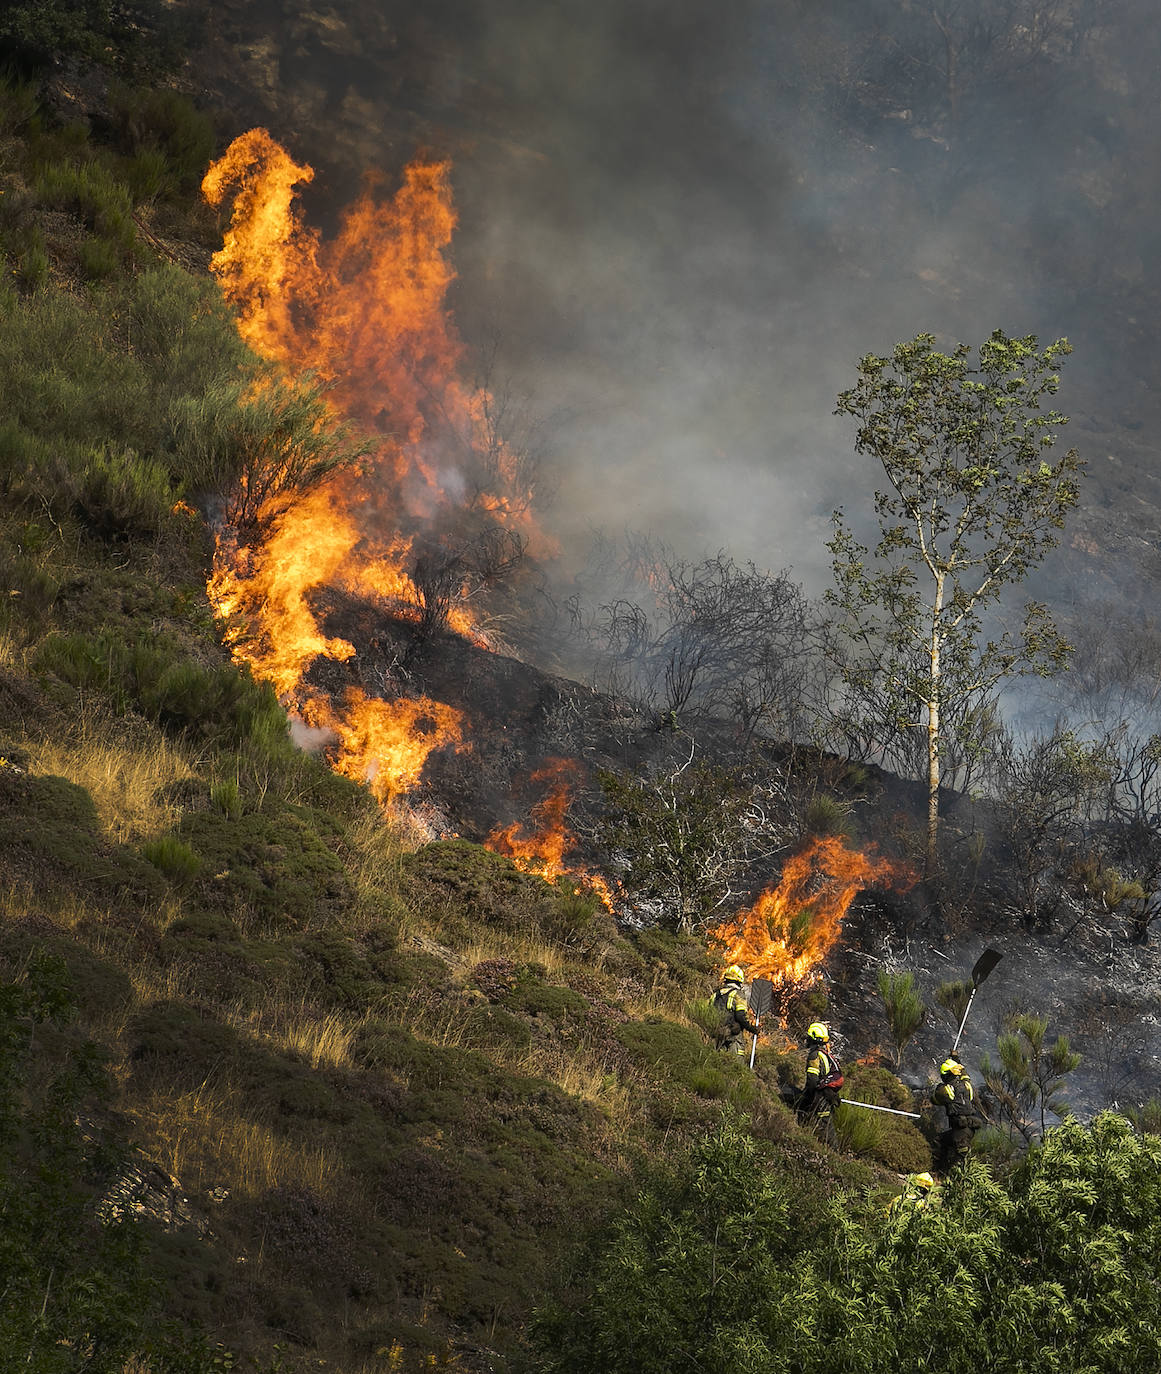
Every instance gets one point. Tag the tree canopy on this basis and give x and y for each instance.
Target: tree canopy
(973, 502)
(1055, 1269)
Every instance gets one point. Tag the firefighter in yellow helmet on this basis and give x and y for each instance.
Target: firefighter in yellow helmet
(734, 1009)
(824, 1078)
(955, 1094)
(919, 1193)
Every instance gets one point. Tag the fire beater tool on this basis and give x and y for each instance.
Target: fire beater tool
(983, 966)
(761, 1000)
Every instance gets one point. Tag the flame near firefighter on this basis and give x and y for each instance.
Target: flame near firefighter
(543, 850)
(788, 932)
(366, 315)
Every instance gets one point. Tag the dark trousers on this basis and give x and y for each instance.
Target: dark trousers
(955, 1144)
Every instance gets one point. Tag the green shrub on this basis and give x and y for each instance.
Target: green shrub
(903, 1007)
(99, 259)
(173, 857)
(533, 997)
(1146, 1118)
(25, 587)
(826, 815)
(488, 1027)
(485, 887)
(32, 268)
(119, 495)
(893, 1141)
(91, 192)
(677, 961)
(163, 125)
(678, 1053)
(278, 866)
(227, 797)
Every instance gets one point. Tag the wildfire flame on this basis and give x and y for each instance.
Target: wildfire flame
(366, 314)
(543, 850)
(789, 931)
(386, 743)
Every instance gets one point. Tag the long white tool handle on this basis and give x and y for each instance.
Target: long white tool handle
(754, 1040)
(963, 1023)
(870, 1106)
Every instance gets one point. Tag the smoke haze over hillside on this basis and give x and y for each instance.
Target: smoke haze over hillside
(685, 225)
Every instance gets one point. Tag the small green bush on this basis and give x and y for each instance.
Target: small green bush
(147, 174)
(533, 997)
(32, 268)
(227, 797)
(893, 1141)
(95, 195)
(164, 125)
(902, 1006)
(99, 258)
(488, 1027)
(119, 495)
(173, 857)
(827, 815)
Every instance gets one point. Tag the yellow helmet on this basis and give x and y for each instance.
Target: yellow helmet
(950, 1067)
(817, 1031)
(734, 974)
(923, 1181)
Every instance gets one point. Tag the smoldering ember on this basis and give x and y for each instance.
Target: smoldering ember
(580, 774)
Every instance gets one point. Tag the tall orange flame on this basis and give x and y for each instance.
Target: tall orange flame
(791, 928)
(543, 850)
(365, 313)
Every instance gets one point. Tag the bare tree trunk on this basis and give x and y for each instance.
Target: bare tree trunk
(933, 725)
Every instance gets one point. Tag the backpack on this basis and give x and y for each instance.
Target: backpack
(726, 1013)
(961, 1112)
(833, 1078)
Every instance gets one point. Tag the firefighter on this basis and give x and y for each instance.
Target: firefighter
(955, 1094)
(730, 1000)
(919, 1193)
(824, 1078)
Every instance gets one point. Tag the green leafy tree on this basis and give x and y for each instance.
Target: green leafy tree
(973, 502)
(683, 1280)
(1028, 1079)
(1054, 1269)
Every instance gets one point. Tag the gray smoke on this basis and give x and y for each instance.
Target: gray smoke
(685, 223)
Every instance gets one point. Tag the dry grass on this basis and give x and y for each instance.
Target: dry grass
(379, 848)
(11, 653)
(521, 949)
(123, 765)
(323, 1039)
(574, 1071)
(206, 1140)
